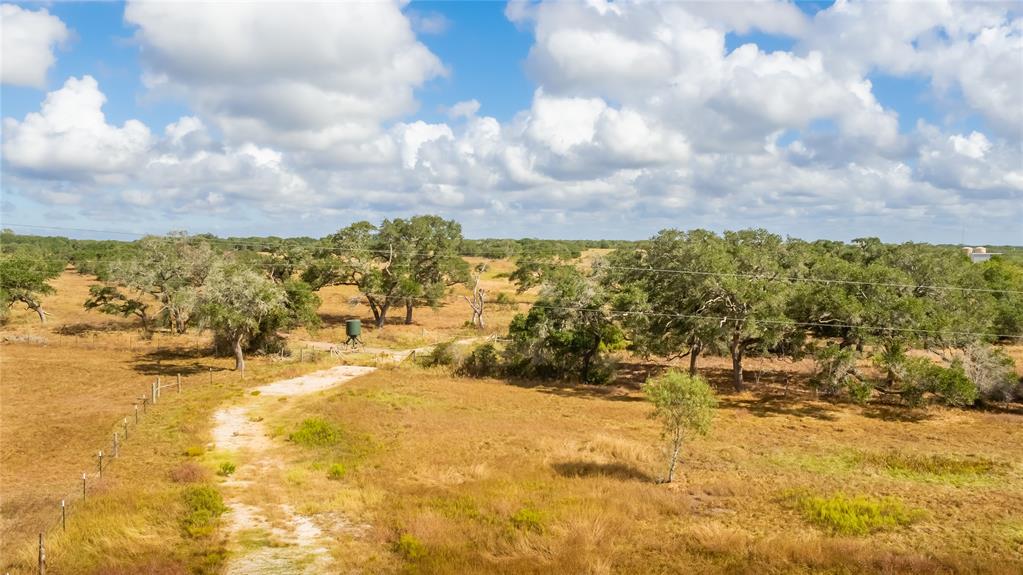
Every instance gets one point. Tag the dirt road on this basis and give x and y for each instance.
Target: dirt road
(268, 537)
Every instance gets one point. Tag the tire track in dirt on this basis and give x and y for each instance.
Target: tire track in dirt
(286, 541)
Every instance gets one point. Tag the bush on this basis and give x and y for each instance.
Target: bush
(316, 432)
(204, 506)
(336, 472)
(858, 515)
(949, 384)
(833, 370)
(442, 354)
(194, 450)
(226, 469)
(410, 548)
(483, 361)
(993, 372)
(504, 301)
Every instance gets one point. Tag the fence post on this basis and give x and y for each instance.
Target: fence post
(63, 515)
(115, 445)
(136, 414)
(211, 376)
(83, 486)
(126, 424)
(152, 392)
(42, 556)
(179, 383)
(100, 459)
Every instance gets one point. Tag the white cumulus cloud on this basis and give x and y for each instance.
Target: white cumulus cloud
(29, 38)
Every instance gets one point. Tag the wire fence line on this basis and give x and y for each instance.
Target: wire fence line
(124, 431)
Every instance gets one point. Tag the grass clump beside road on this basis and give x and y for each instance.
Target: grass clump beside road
(204, 506)
(856, 515)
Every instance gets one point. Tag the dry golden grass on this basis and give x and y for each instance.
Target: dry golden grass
(452, 475)
(62, 398)
(487, 476)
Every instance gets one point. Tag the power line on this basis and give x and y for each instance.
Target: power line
(735, 275)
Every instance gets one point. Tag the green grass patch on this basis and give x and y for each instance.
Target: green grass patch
(316, 432)
(388, 398)
(226, 469)
(939, 467)
(410, 548)
(337, 472)
(856, 515)
(194, 451)
(459, 507)
(528, 519)
(836, 463)
(204, 506)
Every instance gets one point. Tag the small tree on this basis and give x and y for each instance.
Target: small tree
(235, 303)
(683, 403)
(23, 278)
(111, 300)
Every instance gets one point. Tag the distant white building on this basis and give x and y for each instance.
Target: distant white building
(979, 254)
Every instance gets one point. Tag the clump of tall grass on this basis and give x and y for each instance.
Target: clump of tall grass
(856, 515)
(204, 506)
(316, 432)
(528, 519)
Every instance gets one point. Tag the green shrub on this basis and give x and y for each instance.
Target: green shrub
(949, 384)
(504, 300)
(336, 472)
(203, 505)
(194, 451)
(856, 515)
(528, 519)
(442, 354)
(483, 361)
(410, 548)
(226, 468)
(316, 432)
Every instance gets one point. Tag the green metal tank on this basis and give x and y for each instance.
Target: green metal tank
(353, 328)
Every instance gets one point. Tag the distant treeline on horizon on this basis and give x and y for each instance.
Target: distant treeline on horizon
(80, 249)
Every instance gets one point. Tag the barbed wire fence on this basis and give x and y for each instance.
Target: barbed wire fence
(126, 428)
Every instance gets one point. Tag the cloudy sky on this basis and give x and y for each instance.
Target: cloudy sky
(570, 119)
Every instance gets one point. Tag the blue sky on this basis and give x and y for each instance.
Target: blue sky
(561, 120)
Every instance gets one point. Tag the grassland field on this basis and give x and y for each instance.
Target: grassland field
(427, 472)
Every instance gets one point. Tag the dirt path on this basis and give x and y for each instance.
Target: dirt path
(396, 355)
(270, 538)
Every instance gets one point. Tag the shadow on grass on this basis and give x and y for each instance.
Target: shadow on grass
(153, 363)
(895, 413)
(570, 389)
(83, 328)
(769, 406)
(593, 469)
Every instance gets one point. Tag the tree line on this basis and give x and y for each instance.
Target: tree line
(684, 294)
(678, 295)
